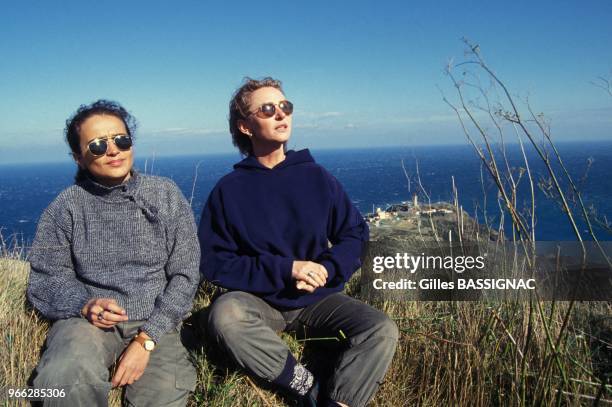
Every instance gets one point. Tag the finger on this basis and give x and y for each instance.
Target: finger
(310, 281)
(98, 302)
(118, 375)
(87, 307)
(321, 278)
(112, 306)
(99, 319)
(127, 374)
(97, 308)
(114, 318)
(103, 324)
(107, 324)
(314, 277)
(316, 281)
(323, 271)
(302, 285)
(92, 317)
(320, 270)
(90, 312)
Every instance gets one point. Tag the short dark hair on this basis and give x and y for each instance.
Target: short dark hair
(238, 109)
(84, 112)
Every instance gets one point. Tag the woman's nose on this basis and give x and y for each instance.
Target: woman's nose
(111, 148)
(280, 115)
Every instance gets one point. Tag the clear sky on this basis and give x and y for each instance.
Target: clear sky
(360, 73)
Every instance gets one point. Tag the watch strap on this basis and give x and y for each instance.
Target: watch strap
(147, 344)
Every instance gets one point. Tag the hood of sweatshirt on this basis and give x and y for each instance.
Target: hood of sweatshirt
(291, 158)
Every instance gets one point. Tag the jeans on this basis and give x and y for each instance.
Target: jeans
(244, 325)
(77, 357)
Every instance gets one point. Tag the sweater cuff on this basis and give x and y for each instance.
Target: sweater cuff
(72, 308)
(157, 327)
(80, 306)
(331, 269)
(286, 267)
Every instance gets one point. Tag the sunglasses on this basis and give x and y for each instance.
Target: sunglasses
(268, 110)
(98, 146)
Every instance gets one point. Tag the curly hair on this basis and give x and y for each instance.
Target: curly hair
(84, 112)
(239, 106)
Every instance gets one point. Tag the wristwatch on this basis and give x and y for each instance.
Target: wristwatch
(148, 344)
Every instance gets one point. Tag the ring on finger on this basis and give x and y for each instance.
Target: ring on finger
(309, 274)
(101, 315)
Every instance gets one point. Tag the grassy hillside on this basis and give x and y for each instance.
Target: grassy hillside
(449, 353)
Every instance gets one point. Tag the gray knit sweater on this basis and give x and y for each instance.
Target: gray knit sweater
(135, 243)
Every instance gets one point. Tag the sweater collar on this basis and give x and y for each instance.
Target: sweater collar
(116, 192)
(291, 158)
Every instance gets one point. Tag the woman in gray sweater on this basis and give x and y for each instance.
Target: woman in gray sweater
(115, 265)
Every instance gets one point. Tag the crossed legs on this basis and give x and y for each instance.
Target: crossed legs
(244, 325)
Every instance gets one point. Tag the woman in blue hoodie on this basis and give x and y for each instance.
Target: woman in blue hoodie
(281, 234)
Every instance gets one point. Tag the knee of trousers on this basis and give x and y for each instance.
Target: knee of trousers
(74, 353)
(62, 370)
(227, 318)
(388, 328)
(383, 329)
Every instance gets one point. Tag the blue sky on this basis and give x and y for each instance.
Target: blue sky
(360, 73)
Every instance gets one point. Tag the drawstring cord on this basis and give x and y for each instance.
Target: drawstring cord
(150, 212)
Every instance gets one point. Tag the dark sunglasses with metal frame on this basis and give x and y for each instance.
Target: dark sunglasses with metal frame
(268, 110)
(99, 145)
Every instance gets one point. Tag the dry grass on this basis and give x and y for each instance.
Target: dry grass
(23, 332)
(449, 354)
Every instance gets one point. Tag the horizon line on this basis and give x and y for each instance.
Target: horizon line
(237, 153)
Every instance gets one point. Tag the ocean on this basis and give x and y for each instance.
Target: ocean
(374, 177)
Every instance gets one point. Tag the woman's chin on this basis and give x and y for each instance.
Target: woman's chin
(110, 179)
(270, 144)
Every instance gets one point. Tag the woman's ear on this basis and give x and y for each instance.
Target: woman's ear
(77, 159)
(242, 126)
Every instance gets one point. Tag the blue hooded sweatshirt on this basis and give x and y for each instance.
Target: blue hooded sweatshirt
(258, 220)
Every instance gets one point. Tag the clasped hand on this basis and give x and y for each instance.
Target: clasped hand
(308, 275)
(104, 312)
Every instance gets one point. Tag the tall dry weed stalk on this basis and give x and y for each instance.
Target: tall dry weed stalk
(490, 116)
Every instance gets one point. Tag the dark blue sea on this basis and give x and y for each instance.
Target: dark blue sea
(372, 177)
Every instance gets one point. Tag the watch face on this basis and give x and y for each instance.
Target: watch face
(149, 345)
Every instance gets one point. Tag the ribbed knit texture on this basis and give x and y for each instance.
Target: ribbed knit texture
(135, 242)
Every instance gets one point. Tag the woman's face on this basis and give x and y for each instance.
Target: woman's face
(275, 129)
(113, 167)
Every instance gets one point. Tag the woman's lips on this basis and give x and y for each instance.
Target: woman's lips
(115, 163)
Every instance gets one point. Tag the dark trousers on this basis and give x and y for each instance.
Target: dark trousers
(244, 325)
